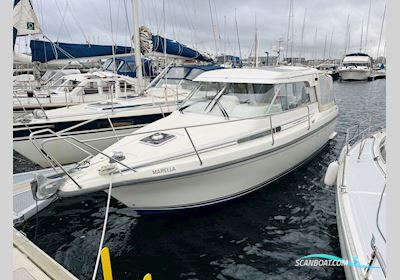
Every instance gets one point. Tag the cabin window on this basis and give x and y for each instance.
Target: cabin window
(201, 97)
(177, 73)
(242, 100)
(126, 67)
(313, 95)
(326, 91)
(292, 95)
(194, 73)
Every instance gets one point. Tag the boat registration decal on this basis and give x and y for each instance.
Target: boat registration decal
(164, 170)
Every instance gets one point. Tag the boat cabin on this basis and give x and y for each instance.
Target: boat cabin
(245, 93)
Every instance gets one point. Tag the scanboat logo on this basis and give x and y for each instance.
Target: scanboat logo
(164, 170)
(330, 260)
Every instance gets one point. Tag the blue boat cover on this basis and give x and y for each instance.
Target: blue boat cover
(44, 51)
(176, 48)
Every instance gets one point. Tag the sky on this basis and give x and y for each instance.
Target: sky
(209, 25)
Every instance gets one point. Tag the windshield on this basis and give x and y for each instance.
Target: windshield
(177, 73)
(243, 100)
(236, 99)
(356, 64)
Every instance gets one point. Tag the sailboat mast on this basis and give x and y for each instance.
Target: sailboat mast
(347, 35)
(237, 34)
(330, 46)
(362, 31)
(326, 37)
(292, 38)
(288, 30)
(302, 33)
(366, 33)
(380, 35)
(255, 43)
(136, 42)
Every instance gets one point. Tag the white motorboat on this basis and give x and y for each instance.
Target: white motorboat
(360, 178)
(239, 130)
(356, 67)
(104, 122)
(74, 89)
(329, 68)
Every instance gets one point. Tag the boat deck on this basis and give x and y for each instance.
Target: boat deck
(359, 204)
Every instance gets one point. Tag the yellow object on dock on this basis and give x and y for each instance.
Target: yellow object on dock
(106, 263)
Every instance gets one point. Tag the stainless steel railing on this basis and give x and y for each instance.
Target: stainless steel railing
(80, 144)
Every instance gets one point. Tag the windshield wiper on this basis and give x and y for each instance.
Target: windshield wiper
(222, 109)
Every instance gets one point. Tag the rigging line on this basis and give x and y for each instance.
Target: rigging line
(62, 16)
(116, 29)
(213, 28)
(127, 20)
(157, 17)
(380, 35)
(217, 25)
(77, 23)
(188, 19)
(111, 22)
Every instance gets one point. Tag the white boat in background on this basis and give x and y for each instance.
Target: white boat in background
(360, 178)
(237, 131)
(330, 69)
(73, 89)
(356, 67)
(102, 123)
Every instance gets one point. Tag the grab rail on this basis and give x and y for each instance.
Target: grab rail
(58, 136)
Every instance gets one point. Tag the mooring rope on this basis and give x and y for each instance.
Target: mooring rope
(104, 230)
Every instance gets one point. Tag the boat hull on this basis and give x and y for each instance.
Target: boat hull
(66, 153)
(354, 75)
(223, 183)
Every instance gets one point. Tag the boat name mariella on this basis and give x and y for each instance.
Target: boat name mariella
(164, 170)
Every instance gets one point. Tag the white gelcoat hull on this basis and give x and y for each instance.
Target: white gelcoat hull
(350, 241)
(224, 183)
(66, 153)
(56, 101)
(349, 75)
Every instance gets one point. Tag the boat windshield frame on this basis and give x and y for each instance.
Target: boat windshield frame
(214, 101)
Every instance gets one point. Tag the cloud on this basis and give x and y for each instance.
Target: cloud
(189, 21)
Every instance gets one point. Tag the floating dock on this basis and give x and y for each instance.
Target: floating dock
(31, 263)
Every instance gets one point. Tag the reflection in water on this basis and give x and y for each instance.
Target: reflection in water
(258, 236)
